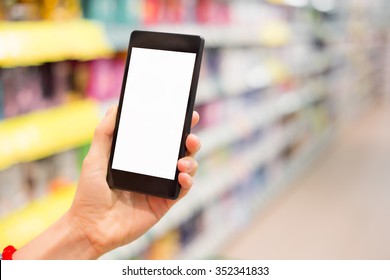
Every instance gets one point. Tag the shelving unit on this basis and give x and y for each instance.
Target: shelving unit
(40, 134)
(275, 84)
(34, 43)
(273, 34)
(23, 225)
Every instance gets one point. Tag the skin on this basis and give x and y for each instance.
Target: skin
(101, 219)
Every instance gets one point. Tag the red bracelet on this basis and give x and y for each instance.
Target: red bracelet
(8, 253)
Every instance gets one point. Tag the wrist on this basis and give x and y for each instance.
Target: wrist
(88, 245)
(62, 240)
(94, 230)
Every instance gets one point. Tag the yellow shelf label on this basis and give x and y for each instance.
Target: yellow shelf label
(31, 43)
(40, 134)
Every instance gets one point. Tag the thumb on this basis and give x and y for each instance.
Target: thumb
(101, 143)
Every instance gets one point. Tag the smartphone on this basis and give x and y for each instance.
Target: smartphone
(155, 112)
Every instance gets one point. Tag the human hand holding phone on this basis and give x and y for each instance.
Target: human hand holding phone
(111, 217)
(100, 218)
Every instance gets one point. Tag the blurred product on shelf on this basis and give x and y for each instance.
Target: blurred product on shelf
(105, 78)
(1, 100)
(61, 9)
(18, 10)
(109, 11)
(278, 78)
(151, 12)
(27, 89)
(34, 180)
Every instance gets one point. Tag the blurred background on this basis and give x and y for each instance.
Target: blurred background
(295, 115)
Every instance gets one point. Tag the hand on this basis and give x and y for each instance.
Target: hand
(112, 218)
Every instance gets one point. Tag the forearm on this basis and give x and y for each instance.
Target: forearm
(62, 240)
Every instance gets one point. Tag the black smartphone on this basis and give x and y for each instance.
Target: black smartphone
(154, 112)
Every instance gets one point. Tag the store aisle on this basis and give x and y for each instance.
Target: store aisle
(338, 209)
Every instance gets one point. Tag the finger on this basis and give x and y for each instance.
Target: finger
(192, 144)
(101, 142)
(186, 182)
(188, 165)
(195, 118)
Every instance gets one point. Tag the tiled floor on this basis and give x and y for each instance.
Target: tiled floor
(338, 209)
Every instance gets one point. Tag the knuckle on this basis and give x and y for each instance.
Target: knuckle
(195, 166)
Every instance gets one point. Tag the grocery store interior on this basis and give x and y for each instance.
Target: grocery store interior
(295, 110)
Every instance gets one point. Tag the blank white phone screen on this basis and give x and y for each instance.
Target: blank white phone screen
(153, 112)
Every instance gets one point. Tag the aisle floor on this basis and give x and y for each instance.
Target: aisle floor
(338, 209)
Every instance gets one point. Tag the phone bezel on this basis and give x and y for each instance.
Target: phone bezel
(141, 183)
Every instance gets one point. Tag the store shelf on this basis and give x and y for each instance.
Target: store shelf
(40, 134)
(257, 116)
(33, 43)
(271, 34)
(271, 72)
(23, 225)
